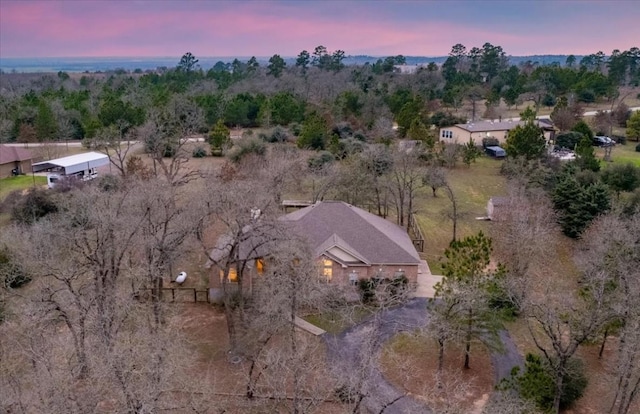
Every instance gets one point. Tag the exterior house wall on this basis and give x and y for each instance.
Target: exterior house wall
(340, 274)
(24, 167)
(458, 135)
(216, 292)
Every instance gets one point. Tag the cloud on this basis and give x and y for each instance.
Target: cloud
(245, 28)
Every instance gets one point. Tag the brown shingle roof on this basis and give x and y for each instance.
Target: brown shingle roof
(335, 223)
(9, 153)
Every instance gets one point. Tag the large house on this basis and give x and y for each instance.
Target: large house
(348, 244)
(476, 131)
(14, 161)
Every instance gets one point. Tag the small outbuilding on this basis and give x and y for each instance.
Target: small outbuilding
(495, 206)
(14, 160)
(80, 166)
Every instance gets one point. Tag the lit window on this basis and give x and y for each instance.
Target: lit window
(327, 269)
(260, 266)
(233, 275)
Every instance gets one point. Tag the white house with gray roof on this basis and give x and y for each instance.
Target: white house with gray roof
(476, 131)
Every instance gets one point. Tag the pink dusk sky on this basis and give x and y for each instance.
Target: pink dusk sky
(149, 28)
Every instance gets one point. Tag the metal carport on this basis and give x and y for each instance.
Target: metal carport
(73, 163)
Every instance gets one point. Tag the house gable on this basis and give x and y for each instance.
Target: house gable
(343, 257)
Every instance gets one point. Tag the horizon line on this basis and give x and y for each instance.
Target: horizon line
(257, 57)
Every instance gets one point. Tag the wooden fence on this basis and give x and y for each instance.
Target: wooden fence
(417, 237)
(184, 294)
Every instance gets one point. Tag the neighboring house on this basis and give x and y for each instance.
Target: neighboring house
(407, 69)
(14, 161)
(495, 206)
(476, 131)
(348, 243)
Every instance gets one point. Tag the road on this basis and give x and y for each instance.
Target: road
(587, 113)
(77, 144)
(346, 350)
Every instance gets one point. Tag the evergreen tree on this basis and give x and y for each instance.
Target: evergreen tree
(584, 129)
(219, 137)
(526, 140)
(578, 204)
(464, 292)
(45, 123)
(586, 156)
(314, 133)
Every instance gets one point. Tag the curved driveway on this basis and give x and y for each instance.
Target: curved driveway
(346, 350)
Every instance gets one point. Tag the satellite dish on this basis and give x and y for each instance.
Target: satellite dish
(182, 276)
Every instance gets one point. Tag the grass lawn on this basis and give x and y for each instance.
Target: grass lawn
(472, 186)
(622, 154)
(336, 322)
(20, 182)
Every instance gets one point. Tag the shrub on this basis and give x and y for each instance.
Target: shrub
(584, 129)
(199, 152)
(343, 130)
(619, 139)
(367, 288)
(638, 148)
(33, 206)
(360, 135)
(490, 142)
(569, 140)
(246, 146)
(12, 274)
(499, 298)
(109, 182)
(295, 128)
(537, 383)
(168, 150)
(470, 152)
(316, 162)
(277, 134)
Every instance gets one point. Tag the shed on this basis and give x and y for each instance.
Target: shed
(73, 164)
(494, 206)
(14, 160)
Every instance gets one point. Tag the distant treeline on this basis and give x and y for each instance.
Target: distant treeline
(318, 87)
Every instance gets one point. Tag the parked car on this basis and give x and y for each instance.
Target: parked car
(602, 141)
(495, 152)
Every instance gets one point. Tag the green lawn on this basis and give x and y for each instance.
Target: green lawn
(20, 182)
(336, 322)
(623, 154)
(472, 186)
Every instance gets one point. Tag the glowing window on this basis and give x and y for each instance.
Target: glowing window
(260, 266)
(233, 275)
(327, 269)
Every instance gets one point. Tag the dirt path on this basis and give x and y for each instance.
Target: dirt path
(344, 350)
